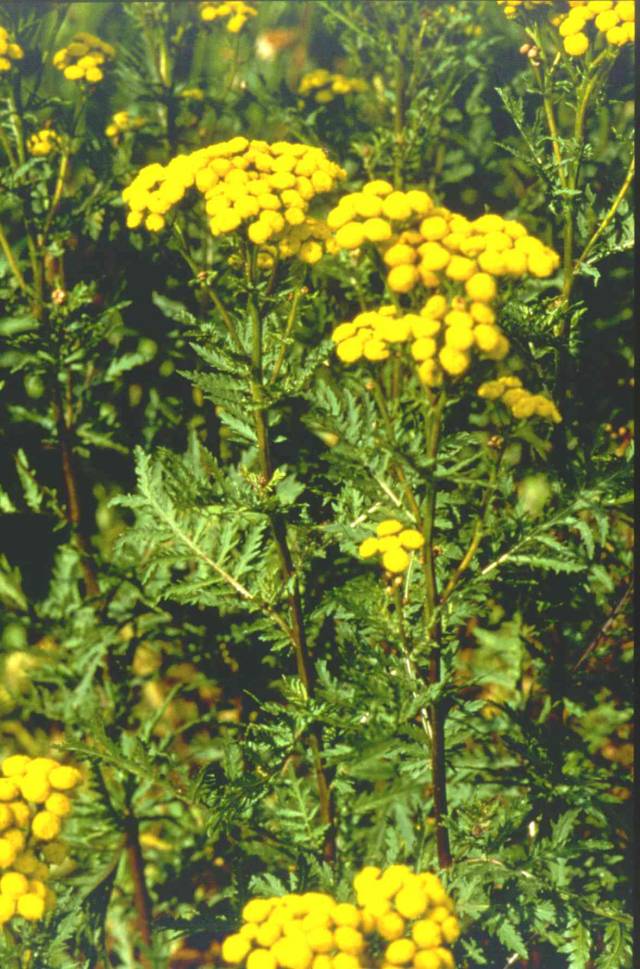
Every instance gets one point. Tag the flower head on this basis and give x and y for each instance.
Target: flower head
(32, 811)
(408, 917)
(236, 13)
(262, 189)
(9, 51)
(43, 142)
(84, 58)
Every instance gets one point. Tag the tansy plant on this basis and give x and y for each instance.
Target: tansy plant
(315, 550)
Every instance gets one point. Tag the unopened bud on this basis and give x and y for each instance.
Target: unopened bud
(58, 296)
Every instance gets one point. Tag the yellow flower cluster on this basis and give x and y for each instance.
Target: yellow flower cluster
(411, 912)
(615, 21)
(511, 6)
(406, 915)
(267, 187)
(325, 86)
(393, 542)
(43, 142)
(121, 122)
(422, 243)
(83, 58)
(441, 336)
(9, 51)
(522, 404)
(237, 11)
(34, 800)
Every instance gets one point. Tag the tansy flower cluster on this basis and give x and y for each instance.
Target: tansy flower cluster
(440, 337)
(122, 122)
(393, 542)
(266, 187)
(43, 142)
(411, 913)
(9, 50)
(324, 86)
(616, 22)
(422, 243)
(401, 919)
(236, 11)
(511, 7)
(522, 404)
(83, 58)
(34, 800)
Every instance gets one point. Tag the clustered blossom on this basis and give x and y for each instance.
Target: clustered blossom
(426, 244)
(34, 800)
(521, 402)
(324, 86)
(43, 142)
(122, 122)
(613, 20)
(236, 11)
(440, 337)
(265, 188)
(9, 51)
(84, 58)
(392, 542)
(511, 7)
(406, 917)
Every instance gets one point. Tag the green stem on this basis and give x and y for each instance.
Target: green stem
(476, 536)
(211, 293)
(568, 268)
(412, 501)
(432, 631)
(287, 569)
(57, 195)
(293, 313)
(13, 263)
(609, 216)
(399, 108)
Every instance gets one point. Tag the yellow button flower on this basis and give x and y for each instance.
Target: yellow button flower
(402, 279)
(395, 560)
(31, 907)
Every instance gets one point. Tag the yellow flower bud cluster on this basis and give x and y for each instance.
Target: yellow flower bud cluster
(266, 187)
(83, 58)
(9, 50)
(408, 916)
(34, 800)
(411, 912)
(432, 244)
(440, 337)
(324, 86)
(122, 122)
(522, 404)
(511, 7)
(236, 11)
(615, 21)
(393, 542)
(43, 142)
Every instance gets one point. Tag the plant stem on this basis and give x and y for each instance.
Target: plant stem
(399, 470)
(398, 109)
(287, 569)
(13, 264)
(476, 537)
(73, 508)
(57, 194)
(432, 629)
(141, 897)
(293, 312)
(610, 214)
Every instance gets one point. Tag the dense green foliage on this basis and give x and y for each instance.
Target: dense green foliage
(183, 610)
